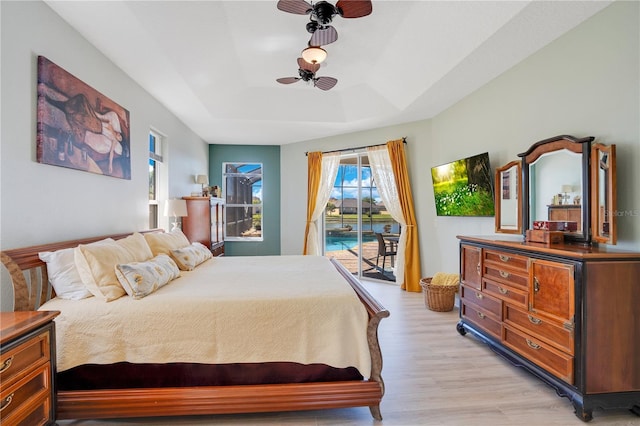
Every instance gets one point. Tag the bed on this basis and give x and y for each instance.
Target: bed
(332, 361)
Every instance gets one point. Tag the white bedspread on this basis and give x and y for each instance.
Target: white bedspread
(228, 310)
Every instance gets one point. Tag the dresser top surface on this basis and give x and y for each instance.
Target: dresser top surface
(576, 251)
(16, 324)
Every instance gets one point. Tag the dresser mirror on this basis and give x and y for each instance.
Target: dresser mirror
(556, 185)
(508, 180)
(603, 194)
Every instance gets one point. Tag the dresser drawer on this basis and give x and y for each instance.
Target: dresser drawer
(505, 292)
(480, 318)
(518, 279)
(24, 356)
(24, 395)
(509, 261)
(37, 417)
(546, 356)
(541, 328)
(489, 304)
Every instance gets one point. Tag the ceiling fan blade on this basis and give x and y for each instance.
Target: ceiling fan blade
(287, 80)
(325, 83)
(354, 8)
(323, 36)
(299, 7)
(308, 66)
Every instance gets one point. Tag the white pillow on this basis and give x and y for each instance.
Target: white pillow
(191, 256)
(96, 262)
(63, 274)
(139, 279)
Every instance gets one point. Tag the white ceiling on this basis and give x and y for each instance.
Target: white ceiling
(214, 64)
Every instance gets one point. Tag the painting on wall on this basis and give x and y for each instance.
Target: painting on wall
(79, 127)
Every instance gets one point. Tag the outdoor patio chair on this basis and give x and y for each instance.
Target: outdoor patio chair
(385, 248)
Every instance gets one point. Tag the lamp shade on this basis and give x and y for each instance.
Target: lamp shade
(567, 188)
(314, 54)
(175, 208)
(202, 179)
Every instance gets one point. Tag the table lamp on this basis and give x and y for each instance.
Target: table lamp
(175, 208)
(202, 180)
(565, 190)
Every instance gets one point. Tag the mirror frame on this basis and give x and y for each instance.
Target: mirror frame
(556, 143)
(609, 194)
(498, 197)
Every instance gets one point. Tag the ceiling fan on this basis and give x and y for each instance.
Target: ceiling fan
(322, 13)
(307, 72)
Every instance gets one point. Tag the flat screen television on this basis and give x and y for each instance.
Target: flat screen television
(464, 187)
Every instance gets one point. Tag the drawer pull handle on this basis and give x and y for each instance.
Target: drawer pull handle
(6, 364)
(504, 258)
(532, 345)
(6, 402)
(478, 268)
(481, 315)
(479, 296)
(503, 290)
(504, 274)
(534, 320)
(536, 285)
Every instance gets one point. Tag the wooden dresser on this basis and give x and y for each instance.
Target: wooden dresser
(27, 368)
(566, 212)
(567, 313)
(204, 222)
(197, 224)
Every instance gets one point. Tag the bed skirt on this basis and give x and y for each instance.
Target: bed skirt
(127, 375)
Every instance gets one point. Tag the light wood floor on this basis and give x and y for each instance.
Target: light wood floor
(433, 376)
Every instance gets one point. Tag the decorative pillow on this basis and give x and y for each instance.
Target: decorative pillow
(137, 247)
(96, 262)
(139, 279)
(63, 274)
(165, 242)
(191, 256)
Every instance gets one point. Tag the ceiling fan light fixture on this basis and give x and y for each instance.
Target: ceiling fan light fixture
(314, 54)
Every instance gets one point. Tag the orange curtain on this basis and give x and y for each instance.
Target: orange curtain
(314, 161)
(412, 274)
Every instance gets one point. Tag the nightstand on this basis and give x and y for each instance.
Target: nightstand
(27, 368)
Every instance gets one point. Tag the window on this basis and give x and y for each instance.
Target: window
(242, 186)
(155, 161)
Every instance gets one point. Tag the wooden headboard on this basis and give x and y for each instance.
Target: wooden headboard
(28, 273)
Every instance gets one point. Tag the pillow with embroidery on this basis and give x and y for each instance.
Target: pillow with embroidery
(140, 279)
(191, 256)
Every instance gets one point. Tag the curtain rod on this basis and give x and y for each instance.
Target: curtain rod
(404, 140)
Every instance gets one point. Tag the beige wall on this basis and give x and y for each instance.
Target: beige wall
(584, 83)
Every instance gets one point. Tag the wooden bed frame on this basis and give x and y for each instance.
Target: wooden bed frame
(31, 290)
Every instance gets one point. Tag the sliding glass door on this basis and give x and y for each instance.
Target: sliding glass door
(359, 231)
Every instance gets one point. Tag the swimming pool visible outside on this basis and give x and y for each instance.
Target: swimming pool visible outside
(341, 242)
(337, 239)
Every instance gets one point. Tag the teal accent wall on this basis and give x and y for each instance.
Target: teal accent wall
(269, 156)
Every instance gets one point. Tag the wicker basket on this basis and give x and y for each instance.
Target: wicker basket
(440, 298)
